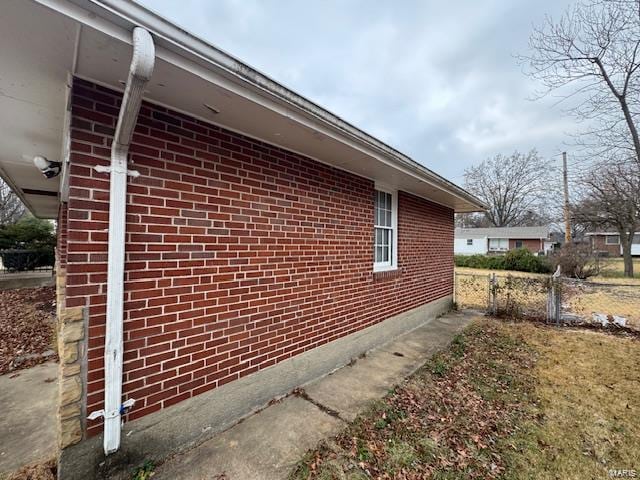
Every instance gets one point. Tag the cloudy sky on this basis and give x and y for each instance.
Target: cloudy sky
(435, 79)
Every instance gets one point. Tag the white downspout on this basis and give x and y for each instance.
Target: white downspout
(140, 72)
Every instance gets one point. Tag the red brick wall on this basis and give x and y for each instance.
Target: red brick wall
(239, 254)
(598, 244)
(534, 245)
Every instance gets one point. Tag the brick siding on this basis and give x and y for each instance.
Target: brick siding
(534, 245)
(598, 244)
(239, 254)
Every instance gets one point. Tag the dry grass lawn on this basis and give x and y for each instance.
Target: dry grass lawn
(613, 271)
(587, 384)
(508, 401)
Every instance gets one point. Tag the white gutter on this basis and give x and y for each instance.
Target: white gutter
(140, 72)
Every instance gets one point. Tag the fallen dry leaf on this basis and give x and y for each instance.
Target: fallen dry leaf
(27, 327)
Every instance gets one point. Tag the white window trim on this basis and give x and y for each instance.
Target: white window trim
(469, 242)
(393, 265)
(499, 241)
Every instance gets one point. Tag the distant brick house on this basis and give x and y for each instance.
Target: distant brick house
(499, 240)
(218, 247)
(608, 243)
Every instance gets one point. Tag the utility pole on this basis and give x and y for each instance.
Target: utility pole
(567, 219)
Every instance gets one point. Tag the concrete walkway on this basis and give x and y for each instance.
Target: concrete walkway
(267, 445)
(28, 418)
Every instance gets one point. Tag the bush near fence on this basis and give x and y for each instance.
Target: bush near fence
(27, 244)
(15, 260)
(521, 260)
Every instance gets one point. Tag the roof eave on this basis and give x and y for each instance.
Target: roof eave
(126, 14)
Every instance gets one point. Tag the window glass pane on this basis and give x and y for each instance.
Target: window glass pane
(383, 230)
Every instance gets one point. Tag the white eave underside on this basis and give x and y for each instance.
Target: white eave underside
(189, 74)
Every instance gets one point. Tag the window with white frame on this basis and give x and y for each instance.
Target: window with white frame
(498, 244)
(385, 230)
(612, 239)
(470, 241)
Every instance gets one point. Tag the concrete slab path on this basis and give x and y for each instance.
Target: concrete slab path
(28, 418)
(267, 445)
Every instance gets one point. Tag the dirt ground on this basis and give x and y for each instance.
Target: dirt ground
(27, 327)
(507, 401)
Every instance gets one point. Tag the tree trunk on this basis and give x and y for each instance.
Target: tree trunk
(625, 242)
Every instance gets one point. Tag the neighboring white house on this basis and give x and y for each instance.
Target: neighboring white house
(470, 241)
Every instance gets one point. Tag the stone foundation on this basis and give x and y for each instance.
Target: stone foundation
(71, 335)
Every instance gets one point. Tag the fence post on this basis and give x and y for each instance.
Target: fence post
(558, 299)
(554, 299)
(550, 300)
(455, 289)
(492, 294)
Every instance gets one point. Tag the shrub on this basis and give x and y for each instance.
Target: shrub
(21, 260)
(577, 261)
(27, 244)
(27, 259)
(479, 261)
(28, 233)
(521, 260)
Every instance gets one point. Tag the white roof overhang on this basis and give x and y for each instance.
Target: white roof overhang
(45, 41)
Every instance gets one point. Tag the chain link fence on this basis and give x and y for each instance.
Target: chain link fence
(549, 298)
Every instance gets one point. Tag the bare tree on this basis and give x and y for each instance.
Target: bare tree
(611, 200)
(11, 207)
(592, 54)
(518, 189)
